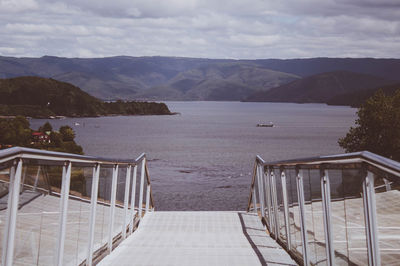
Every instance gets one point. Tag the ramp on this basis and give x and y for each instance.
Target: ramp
(199, 238)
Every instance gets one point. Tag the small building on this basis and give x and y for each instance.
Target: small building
(40, 137)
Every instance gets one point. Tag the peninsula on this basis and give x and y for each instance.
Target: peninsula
(45, 97)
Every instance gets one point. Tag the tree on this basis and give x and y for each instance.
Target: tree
(67, 133)
(15, 131)
(46, 127)
(377, 127)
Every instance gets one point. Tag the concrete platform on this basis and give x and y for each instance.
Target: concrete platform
(199, 238)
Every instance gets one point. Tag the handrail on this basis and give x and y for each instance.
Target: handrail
(381, 162)
(19, 159)
(12, 153)
(288, 196)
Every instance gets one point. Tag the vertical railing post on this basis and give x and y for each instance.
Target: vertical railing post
(275, 204)
(11, 214)
(36, 178)
(133, 198)
(268, 189)
(370, 219)
(148, 198)
(66, 179)
(93, 206)
(300, 194)
(261, 189)
(112, 207)
(254, 199)
(326, 209)
(286, 208)
(252, 196)
(126, 199)
(141, 188)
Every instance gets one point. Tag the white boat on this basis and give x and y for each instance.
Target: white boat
(270, 124)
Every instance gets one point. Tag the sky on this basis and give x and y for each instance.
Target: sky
(236, 29)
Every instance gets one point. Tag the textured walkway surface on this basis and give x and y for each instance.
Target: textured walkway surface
(199, 238)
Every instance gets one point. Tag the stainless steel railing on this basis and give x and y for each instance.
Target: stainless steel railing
(341, 209)
(66, 209)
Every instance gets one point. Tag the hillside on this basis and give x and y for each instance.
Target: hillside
(176, 78)
(42, 97)
(222, 81)
(320, 88)
(355, 99)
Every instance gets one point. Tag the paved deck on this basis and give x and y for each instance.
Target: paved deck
(199, 238)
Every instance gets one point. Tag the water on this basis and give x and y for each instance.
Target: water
(202, 159)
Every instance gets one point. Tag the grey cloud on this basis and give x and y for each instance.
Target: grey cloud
(216, 29)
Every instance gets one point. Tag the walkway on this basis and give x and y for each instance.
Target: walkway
(199, 238)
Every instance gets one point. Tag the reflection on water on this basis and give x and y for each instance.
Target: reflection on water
(202, 159)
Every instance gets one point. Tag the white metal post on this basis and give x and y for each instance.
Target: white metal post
(254, 199)
(141, 188)
(126, 199)
(269, 203)
(261, 189)
(275, 203)
(133, 196)
(66, 179)
(286, 209)
(36, 178)
(11, 214)
(148, 198)
(326, 209)
(300, 194)
(370, 220)
(93, 206)
(112, 207)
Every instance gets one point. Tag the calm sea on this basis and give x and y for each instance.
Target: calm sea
(202, 158)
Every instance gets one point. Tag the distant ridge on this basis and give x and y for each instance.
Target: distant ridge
(179, 78)
(320, 88)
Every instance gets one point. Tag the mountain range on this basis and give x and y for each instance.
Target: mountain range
(177, 78)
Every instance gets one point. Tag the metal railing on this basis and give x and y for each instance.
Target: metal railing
(66, 209)
(341, 209)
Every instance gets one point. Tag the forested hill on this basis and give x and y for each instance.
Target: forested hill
(44, 97)
(321, 88)
(357, 98)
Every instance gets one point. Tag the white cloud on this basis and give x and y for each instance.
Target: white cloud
(215, 29)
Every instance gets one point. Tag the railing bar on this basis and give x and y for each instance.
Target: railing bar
(140, 207)
(252, 188)
(275, 203)
(126, 199)
(261, 189)
(133, 198)
(11, 214)
(254, 201)
(300, 194)
(326, 209)
(370, 219)
(286, 209)
(268, 189)
(148, 182)
(28, 153)
(66, 178)
(148, 198)
(112, 208)
(93, 206)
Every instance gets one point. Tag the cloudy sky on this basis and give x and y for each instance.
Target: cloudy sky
(201, 28)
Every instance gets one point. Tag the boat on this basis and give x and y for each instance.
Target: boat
(270, 124)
